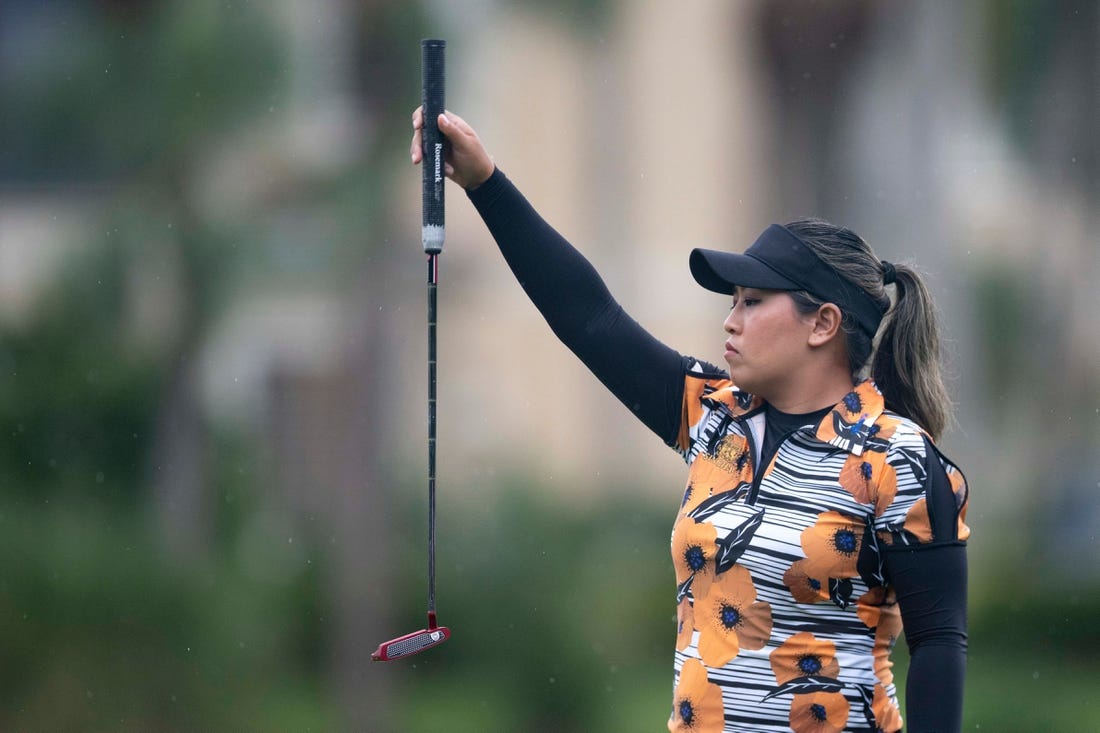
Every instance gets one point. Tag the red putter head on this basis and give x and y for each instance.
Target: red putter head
(413, 643)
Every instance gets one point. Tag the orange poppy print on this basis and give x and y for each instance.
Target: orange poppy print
(694, 494)
(697, 703)
(819, 712)
(697, 395)
(685, 624)
(832, 545)
(693, 548)
(854, 405)
(917, 521)
(804, 587)
(730, 618)
(734, 457)
(878, 610)
(870, 480)
(962, 499)
(693, 405)
(712, 475)
(885, 710)
(796, 572)
(875, 605)
(693, 410)
(881, 432)
(852, 420)
(804, 655)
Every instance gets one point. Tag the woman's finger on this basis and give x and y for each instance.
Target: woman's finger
(415, 152)
(454, 122)
(457, 131)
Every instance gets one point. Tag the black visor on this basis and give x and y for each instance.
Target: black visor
(779, 260)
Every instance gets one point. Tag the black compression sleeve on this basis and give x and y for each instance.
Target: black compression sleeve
(930, 582)
(643, 373)
(931, 588)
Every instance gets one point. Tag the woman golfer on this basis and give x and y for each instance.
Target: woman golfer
(819, 519)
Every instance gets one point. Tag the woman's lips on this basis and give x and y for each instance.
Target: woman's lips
(730, 349)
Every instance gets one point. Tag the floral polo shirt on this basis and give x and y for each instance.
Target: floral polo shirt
(785, 616)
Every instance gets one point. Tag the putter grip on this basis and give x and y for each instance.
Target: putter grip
(433, 84)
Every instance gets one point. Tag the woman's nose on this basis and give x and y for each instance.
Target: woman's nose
(732, 323)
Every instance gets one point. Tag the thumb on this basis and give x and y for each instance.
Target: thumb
(453, 124)
(447, 127)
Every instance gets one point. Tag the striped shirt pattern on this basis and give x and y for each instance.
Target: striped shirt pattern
(785, 620)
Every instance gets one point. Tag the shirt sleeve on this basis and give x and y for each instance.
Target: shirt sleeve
(927, 567)
(643, 373)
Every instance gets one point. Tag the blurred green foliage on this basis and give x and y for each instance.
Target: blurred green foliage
(561, 616)
(76, 402)
(102, 630)
(132, 89)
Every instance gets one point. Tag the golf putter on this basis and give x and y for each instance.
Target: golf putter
(432, 57)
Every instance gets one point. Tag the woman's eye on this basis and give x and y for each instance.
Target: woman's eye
(750, 301)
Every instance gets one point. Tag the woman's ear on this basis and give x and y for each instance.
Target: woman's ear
(826, 324)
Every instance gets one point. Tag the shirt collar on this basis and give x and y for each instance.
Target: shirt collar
(738, 402)
(851, 422)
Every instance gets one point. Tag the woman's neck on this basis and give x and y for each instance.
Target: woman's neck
(811, 393)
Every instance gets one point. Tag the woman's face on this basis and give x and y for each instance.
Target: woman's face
(767, 339)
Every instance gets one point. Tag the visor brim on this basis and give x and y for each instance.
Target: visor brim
(722, 272)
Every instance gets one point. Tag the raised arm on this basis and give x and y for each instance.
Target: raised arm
(640, 371)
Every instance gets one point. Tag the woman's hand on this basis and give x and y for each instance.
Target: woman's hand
(467, 162)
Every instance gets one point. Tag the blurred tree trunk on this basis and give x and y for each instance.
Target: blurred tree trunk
(179, 497)
(811, 53)
(179, 462)
(328, 436)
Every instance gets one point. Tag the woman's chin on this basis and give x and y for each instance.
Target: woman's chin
(737, 374)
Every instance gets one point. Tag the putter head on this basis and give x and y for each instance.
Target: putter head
(409, 644)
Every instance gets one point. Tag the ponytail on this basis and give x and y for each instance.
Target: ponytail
(906, 364)
(905, 357)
